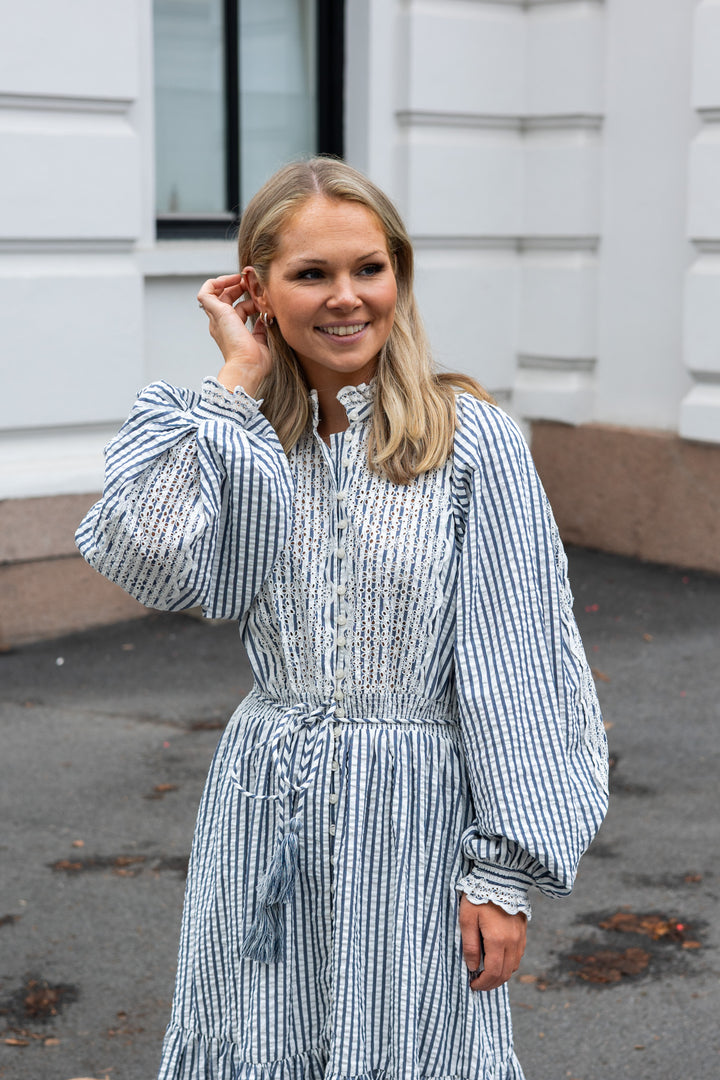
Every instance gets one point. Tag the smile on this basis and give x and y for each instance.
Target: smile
(342, 331)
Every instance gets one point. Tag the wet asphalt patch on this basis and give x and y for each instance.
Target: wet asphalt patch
(120, 865)
(35, 1003)
(627, 946)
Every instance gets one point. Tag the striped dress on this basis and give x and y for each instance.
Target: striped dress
(422, 723)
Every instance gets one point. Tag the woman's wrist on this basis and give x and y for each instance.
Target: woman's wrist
(234, 374)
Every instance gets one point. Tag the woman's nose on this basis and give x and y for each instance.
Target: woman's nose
(344, 295)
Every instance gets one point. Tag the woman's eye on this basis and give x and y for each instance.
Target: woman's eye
(372, 269)
(309, 275)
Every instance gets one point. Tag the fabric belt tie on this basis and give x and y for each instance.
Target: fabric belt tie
(265, 940)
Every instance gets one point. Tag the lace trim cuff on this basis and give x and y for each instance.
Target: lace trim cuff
(217, 400)
(479, 889)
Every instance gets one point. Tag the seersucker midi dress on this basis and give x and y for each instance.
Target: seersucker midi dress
(422, 723)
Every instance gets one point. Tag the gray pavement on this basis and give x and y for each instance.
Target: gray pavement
(105, 740)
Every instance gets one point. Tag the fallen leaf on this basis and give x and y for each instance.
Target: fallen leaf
(639, 1046)
(691, 945)
(600, 675)
(51, 1042)
(653, 926)
(128, 647)
(17, 1042)
(692, 879)
(647, 637)
(608, 724)
(8, 920)
(527, 978)
(78, 843)
(608, 966)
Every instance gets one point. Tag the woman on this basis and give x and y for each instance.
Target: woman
(423, 741)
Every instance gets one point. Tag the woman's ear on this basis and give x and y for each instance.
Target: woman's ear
(256, 288)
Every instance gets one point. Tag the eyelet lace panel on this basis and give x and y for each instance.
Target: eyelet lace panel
(144, 538)
(361, 566)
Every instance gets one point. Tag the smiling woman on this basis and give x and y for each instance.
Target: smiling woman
(331, 288)
(423, 741)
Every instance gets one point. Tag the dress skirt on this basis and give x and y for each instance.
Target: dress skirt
(373, 983)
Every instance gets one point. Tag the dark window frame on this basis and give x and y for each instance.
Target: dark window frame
(329, 81)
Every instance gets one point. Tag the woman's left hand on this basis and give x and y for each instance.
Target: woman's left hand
(502, 936)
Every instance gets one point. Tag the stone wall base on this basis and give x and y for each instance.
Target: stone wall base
(647, 494)
(46, 588)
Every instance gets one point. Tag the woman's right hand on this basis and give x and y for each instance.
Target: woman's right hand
(246, 354)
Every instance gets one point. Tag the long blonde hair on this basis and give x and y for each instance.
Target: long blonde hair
(413, 420)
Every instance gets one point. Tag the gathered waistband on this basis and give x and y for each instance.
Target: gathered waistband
(364, 707)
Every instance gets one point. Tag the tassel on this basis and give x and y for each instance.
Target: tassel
(265, 940)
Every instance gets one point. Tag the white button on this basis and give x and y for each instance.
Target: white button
(332, 799)
(345, 462)
(341, 590)
(332, 860)
(341, 496)
(342, 523)
(340, 620)
(340, 553)
(339, 695)
(337, 730)
(335, 766)
(332, 830)
(340, 673)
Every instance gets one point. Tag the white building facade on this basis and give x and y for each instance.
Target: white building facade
(558, 166)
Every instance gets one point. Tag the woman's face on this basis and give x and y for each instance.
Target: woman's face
(332, 289)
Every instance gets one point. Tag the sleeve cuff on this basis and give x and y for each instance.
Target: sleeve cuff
(496, 885)
(217, 401)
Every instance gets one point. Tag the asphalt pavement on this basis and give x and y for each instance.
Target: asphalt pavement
(105, 739)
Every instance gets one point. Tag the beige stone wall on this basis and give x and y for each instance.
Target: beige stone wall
(647, 494)
(46, 589)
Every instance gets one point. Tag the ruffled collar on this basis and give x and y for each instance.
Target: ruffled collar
(356, 400)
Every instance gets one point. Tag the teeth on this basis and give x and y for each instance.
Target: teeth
(343, 331)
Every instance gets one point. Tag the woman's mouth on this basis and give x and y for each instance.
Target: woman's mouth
(346, 331)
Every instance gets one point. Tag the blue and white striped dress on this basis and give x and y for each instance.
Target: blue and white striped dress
(423, 722)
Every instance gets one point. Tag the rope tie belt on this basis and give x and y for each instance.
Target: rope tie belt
(265, 939)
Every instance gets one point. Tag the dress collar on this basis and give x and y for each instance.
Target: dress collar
(356, 400)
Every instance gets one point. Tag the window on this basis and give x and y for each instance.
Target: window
(241, 87)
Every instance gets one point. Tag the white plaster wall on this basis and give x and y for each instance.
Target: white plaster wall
(649, 126)
(700, 408)
(553, 161)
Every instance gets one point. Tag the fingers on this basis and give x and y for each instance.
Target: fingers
(487, 928)
(226, 290)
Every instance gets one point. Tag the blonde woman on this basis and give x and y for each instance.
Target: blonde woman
(423, 742)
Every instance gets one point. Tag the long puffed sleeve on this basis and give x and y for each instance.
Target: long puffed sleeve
(197, 501)
(533, 735)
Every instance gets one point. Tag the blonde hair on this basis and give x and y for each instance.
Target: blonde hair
(413, 420)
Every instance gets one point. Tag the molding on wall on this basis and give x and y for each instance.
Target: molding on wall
(554, 388)
(53, 461)
(67, 246)
(587, 245)
(48, 103)
(528, 362)
(520, 124)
